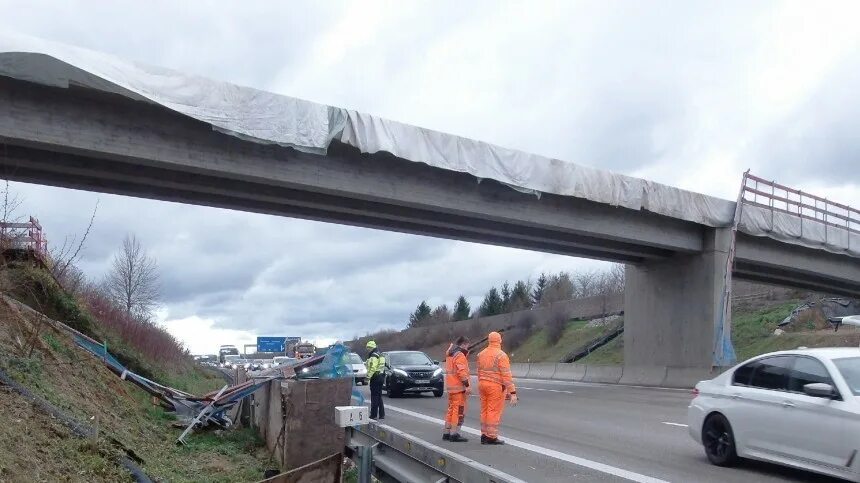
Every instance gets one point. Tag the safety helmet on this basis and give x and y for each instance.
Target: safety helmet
(371, 344)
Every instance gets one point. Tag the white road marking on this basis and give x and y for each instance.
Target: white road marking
(675, 424)
(593, 465)
(545, 390)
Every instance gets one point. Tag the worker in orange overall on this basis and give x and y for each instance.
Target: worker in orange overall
(457, 383)
(495, 384)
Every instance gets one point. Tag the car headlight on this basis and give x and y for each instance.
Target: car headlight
(437, 372)
(400, 372)
(266, 366)
(304, 370)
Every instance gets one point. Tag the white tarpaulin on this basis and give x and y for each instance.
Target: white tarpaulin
(267, 117)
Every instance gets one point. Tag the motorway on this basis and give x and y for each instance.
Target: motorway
(563, 431)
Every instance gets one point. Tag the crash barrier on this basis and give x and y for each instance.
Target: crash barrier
(541, 370)
(656, 376)
(643, 376)
(393, 455)
(603, 374)
(519, 369)
(570, 372)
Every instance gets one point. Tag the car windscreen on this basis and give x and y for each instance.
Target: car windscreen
(409, 359)
(850, 369)
(355, 359)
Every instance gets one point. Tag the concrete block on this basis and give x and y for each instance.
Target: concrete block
(643, 376)
(569, 372)
(348, 416)
(541, 370)
(311, 432)
(603, 374)
(688, 377)
(520, 369)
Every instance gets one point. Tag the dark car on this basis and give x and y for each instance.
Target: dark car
(412, 372)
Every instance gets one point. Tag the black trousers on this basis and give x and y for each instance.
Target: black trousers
(377, 408)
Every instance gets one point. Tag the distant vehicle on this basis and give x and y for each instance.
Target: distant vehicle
(231, 361)
(282, 360)
(412, 372)
(227, 350)
(205, 359)
(255, 365)
(359, 370)
(305, 350)
(796, 408)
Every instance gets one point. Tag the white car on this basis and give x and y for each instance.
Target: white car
(359, 371)
(797, 408)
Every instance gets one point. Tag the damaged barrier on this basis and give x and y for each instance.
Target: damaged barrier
(652, 376)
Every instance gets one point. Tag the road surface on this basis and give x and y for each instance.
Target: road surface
(564, 431)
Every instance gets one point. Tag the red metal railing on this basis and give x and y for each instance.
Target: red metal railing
(24, 236)
(777, 197)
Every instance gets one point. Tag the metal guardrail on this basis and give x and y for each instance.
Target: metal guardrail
(392, 455)
(780, 198)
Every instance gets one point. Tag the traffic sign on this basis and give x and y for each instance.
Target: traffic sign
(271, 344)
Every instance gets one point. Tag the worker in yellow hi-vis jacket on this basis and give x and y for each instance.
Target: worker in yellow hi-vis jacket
(375, 364)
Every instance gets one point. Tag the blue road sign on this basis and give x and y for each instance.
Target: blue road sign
(271, 344)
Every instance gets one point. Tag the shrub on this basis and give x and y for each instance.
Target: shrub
(556, 324)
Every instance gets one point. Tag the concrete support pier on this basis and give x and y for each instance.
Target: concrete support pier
(672, 308)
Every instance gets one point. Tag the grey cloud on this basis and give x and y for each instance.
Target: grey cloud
(818, 140)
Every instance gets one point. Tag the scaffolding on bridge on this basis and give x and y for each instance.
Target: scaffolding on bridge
(24, 239)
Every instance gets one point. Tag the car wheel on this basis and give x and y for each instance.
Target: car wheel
(438, 393)
(719, 441)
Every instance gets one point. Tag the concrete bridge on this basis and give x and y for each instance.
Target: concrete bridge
(97, 135)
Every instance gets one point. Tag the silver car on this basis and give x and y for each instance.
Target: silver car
(797, 408)
(359, 370)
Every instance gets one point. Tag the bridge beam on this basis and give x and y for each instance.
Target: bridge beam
(91, 140)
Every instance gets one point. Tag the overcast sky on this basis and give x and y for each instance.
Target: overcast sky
(686, 93)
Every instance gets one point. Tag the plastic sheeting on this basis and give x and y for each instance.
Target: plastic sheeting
(788, 228)
(272, 118)
(266, 117)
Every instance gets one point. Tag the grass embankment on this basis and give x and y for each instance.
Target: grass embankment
(576, 335)
(753, 334)
(610, 354)
(36, 447)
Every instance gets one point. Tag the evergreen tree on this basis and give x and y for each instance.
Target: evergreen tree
(492, 304)
(421, 314)
(461, 309)
(520, 296)
(506, 297)
(440, 315)
(537, 292)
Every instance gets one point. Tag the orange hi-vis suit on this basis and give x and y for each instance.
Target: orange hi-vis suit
(494, 381)
(456, 382)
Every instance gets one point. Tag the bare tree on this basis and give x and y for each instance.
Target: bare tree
(608, 283)
(560, 287)
(11, 202)
(586, 282)
(64, 257)
(133, 279)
